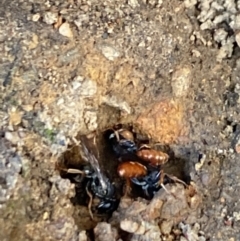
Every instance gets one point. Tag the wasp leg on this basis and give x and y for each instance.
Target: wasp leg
(78, 178)
(117, 135)
(90, 202)
(127, 188)
(161, 181)
(146, 192)
(175, 179)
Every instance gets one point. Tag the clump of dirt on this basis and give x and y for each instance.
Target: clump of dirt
(157, 219)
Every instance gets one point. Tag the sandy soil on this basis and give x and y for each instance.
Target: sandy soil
(170, 70)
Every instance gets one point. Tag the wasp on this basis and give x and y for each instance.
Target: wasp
(106, 195)
(122, 142)
(97, 184)
(145, 172)
(138, 174)
(150, 181)
(108, 201)
(154, 181)
(129, 170)
(151, 156)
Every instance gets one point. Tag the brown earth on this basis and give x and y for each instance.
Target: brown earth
(141, 63)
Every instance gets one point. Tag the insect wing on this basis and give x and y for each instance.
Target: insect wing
(89, 141)
(88, 144)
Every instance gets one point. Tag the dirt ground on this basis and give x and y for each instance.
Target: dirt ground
(170, 69)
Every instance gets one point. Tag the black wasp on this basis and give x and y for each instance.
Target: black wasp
(97, 184)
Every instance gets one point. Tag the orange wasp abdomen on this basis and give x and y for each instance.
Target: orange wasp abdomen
(130, 169)
(155, 158)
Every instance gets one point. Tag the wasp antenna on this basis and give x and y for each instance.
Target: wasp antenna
(163, 186)
(90, 203)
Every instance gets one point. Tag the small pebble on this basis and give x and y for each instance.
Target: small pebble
(82, 236)
(222, 200)
(205, 178)
(190, 3)
(27, 107)
(132, 227)
(60, 101)
(36, 17)
(65, 30)
(50, 17)
(129, 226)
(109, 52)
(117, 103)
(13, 137)
(45, 215)
(181, 81)
(90, 119)
(133, 3)
(237, 148)
(76, 85)
(15, 117)
(166, 226)
(88, 88)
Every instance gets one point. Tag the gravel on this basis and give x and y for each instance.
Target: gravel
(48, 17)
(223, 19)
(169, 68)
(10, 167)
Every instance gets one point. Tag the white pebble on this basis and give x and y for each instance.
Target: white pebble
(65, 30)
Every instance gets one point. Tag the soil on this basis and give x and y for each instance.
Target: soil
(70, 68)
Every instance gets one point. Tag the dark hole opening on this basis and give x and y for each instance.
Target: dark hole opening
(108, 163)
